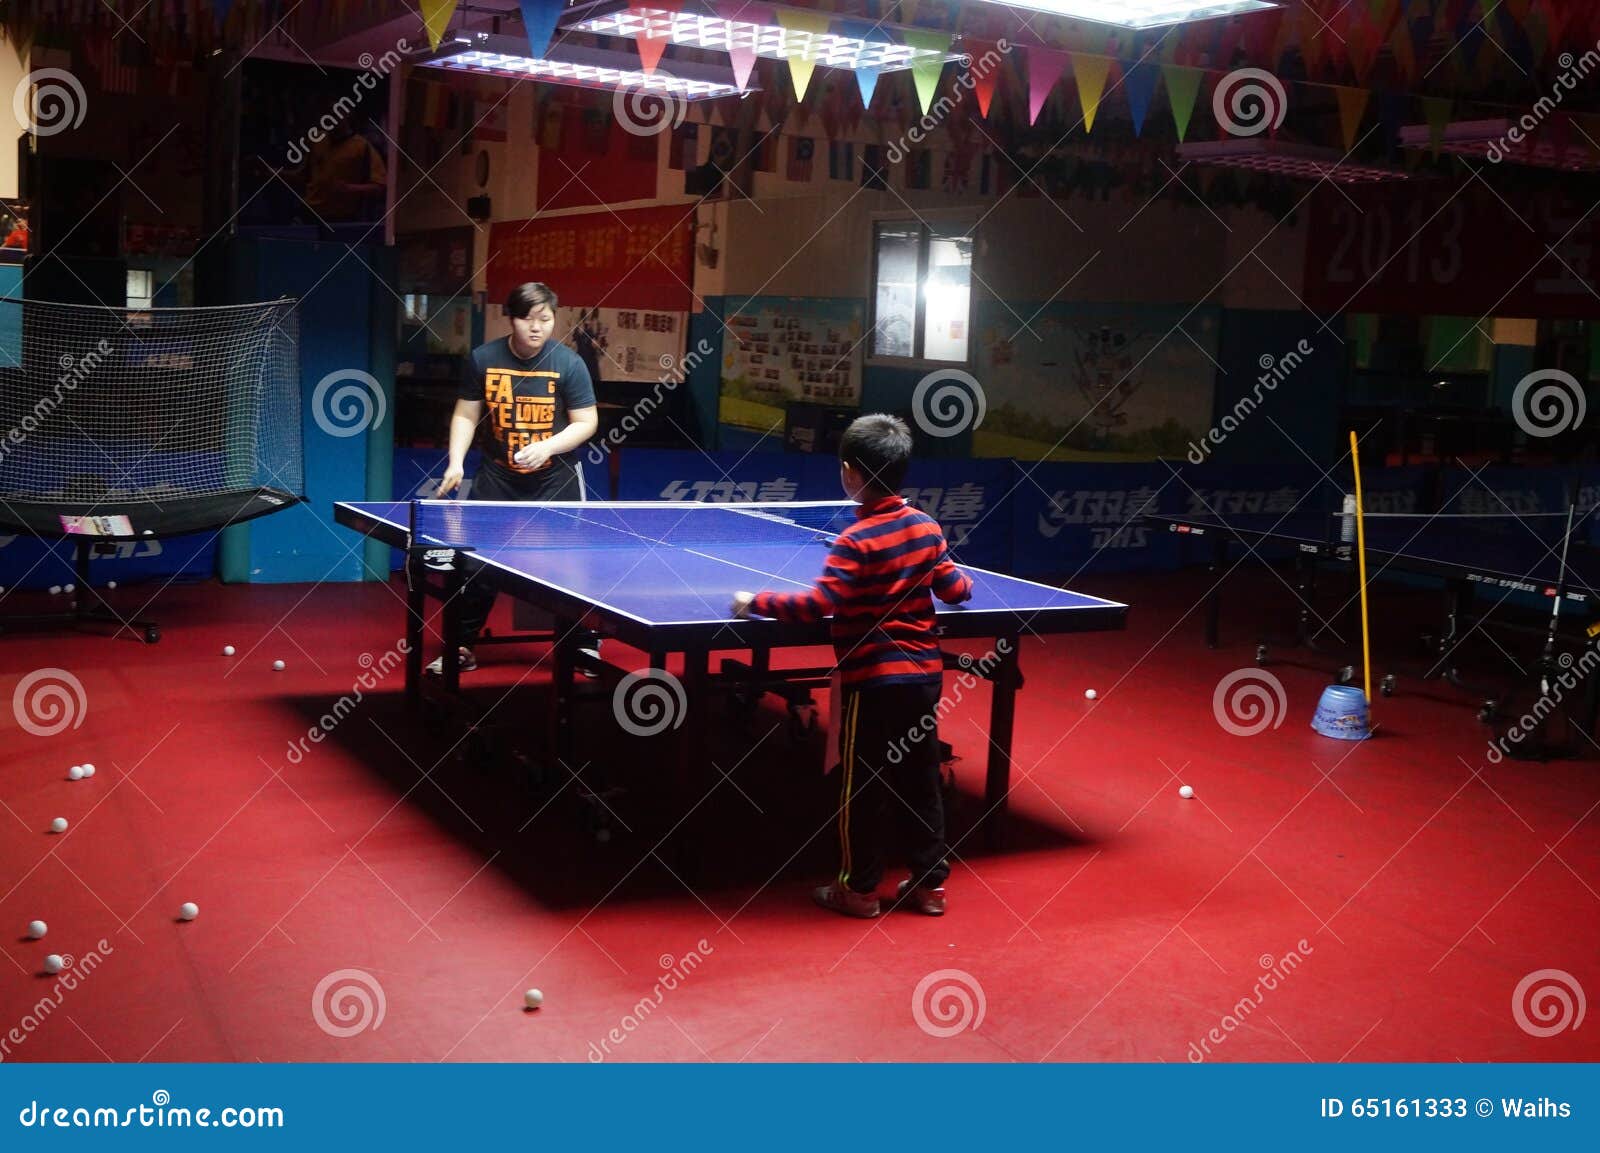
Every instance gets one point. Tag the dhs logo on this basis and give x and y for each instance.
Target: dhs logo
(440, 559)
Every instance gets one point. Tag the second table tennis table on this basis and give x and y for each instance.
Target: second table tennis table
(660, 576)
(1495, 557)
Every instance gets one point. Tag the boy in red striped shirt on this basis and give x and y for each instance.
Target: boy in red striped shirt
(878, 586)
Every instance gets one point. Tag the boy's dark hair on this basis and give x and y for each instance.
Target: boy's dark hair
(880, 446)
(525, 298)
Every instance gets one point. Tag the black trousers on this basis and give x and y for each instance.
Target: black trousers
(561, 482)
(889, 795)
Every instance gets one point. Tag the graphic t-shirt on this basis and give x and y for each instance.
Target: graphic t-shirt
(525, 400)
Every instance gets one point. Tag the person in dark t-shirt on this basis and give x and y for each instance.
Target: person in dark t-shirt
(534, 400)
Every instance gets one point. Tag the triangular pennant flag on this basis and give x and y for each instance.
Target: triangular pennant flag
(1139, 82)
(1436, 109)
(802, 64)
(983, 71)
(539, 20)
(926, 70)
(652, 43)
(743, 60)
(1183, 89)
(1352, 107)
(1044, 69)
(1091, 73)
(436, 18)
(867, 81)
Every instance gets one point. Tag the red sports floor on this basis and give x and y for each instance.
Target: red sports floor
(1118, 923)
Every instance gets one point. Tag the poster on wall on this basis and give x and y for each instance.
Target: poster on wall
(1119, 382)
(779, 349)
(632, 344)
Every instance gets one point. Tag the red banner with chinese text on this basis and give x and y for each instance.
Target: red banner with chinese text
(637, 258)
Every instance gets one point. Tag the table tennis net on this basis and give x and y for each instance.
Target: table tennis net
(491, 528)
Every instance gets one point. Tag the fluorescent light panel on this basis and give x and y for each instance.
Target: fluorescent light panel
(1142, 13)
(713, 32)
(1296, 161)
(580, 75)
(1536, 149)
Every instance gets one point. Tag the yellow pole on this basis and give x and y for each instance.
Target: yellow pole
(1361, 563)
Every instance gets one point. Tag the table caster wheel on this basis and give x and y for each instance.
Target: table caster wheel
(1488, 712)
(152, 635)
(1261, 654)
(1347, 674)
(1386, 686)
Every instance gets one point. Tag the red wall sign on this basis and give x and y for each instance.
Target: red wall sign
(1449, 249)
(636, 258)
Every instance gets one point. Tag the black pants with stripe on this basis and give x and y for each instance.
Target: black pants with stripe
(560, 482)
(889, 789)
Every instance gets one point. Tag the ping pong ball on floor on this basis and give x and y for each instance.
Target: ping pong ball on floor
(70, 588)
(75, 773)
(54, 964)
(533, 998)
(59, 825)
(111, 584)
(55, 590)
(88, 770)
(227, 650)
(1089, 694)
(188, 911)
(1186, 792)
(37, 929)
(277, 666)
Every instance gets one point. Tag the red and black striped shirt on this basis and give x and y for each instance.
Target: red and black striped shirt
(878, 586)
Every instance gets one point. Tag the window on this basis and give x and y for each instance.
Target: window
(922, 291)
(141, 286)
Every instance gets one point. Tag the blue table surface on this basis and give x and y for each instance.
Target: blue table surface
(676, 563)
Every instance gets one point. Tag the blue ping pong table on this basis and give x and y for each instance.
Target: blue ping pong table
(1482, 560)
(660, 577)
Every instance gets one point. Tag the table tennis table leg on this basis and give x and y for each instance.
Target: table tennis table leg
(416, 609)
(1219, 562)
(452, 631)
(1006, 678)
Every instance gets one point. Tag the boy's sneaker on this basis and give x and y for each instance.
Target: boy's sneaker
(468, 663)
(929, 902)
(843, 900)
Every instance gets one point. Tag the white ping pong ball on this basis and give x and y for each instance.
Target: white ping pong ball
(75, 773)
(533, 998)
(1089, 694)
(88, 770)
(227, 650)
(54, 964)
(188, 911)
(37, 929)
(1186, 792)
(277, 666)
(59, 825)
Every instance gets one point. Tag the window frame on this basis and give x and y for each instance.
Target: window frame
(925, 225)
